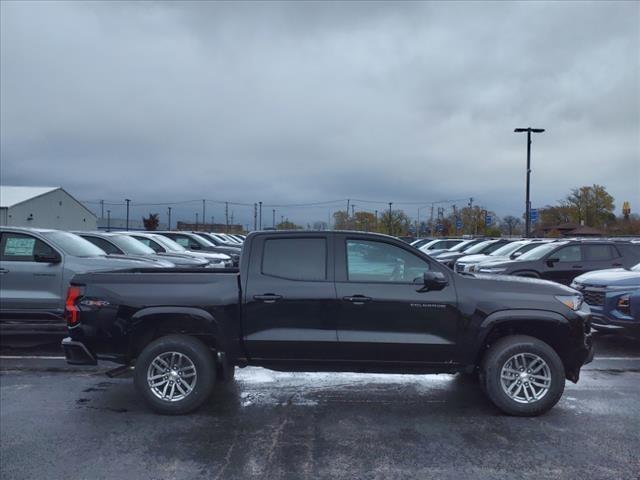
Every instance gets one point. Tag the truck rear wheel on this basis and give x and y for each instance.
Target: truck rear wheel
(175, 374)
(523, 375)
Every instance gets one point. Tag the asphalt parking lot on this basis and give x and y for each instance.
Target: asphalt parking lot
(63, 422)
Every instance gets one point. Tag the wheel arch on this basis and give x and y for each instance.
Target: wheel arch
(150, 323)
(548, 326)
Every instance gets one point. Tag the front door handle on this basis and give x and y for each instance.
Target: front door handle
(267, 298)
(357, 299)
(3, 271)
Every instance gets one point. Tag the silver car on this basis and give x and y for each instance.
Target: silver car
(36, 266)
(164, 245)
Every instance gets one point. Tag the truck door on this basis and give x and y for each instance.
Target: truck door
(34, 288)
(289, 311)
(385, 314)
(564, 264)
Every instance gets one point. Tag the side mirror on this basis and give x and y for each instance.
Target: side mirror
(516, 254)
(433, 281)
(195, 246)
(47, 258)
(551, 261)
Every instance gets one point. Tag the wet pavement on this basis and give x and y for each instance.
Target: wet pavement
(58, 421)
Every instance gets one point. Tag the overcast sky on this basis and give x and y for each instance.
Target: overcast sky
(303, 102)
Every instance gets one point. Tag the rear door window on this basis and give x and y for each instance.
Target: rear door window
(295, 258)
(597, 253)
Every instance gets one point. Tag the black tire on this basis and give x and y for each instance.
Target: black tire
(498, 356)
(205, 369)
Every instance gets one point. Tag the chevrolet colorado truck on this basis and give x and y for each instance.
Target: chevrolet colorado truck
(329, 301)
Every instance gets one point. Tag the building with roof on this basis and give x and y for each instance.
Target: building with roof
(43, 207)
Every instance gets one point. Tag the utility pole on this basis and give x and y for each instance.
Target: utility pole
(226, 215)
(431, 221)
(455, 219)
(169, 208)
(529, 130)
(255, 216)
(108, 220)
(473, 217)
(204, 221)
(273, 223)
(390, 224)
(260, 215)
(127, 200)
(101, 208)
(347, 215)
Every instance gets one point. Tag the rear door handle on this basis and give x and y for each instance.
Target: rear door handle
(267, 298)
(357, 299)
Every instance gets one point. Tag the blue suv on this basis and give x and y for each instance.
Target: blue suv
(613, 296)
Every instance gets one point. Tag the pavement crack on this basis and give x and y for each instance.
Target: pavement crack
(227, 456)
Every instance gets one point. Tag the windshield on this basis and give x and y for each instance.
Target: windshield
(478, 247)
(508, 249)
(539, 252)
(131, 246)
(462, 246)
(168, 243)
(74, 245)
(202, 240)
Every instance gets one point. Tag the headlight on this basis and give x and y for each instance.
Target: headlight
(574, 302)
(493, 270)
(624, 304)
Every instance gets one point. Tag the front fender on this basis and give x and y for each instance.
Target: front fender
(515, 316)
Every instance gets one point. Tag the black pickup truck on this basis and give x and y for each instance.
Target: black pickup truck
(329, 301)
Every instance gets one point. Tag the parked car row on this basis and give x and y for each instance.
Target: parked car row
(605, 271)
(36, 266)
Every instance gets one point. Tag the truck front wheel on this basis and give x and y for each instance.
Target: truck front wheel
(523, 375)
(175, 374)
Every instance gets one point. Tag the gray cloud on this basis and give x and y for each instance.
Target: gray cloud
(301, 102)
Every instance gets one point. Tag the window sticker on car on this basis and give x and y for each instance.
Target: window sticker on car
(19, 247)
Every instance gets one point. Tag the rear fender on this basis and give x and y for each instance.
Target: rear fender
(153, 322)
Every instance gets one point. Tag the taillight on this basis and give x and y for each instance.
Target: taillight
(71, 311)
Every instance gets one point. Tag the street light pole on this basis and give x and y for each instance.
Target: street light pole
(529, 130)
(169, 208)
(260, 215)
(108, 220)
(390, 224)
